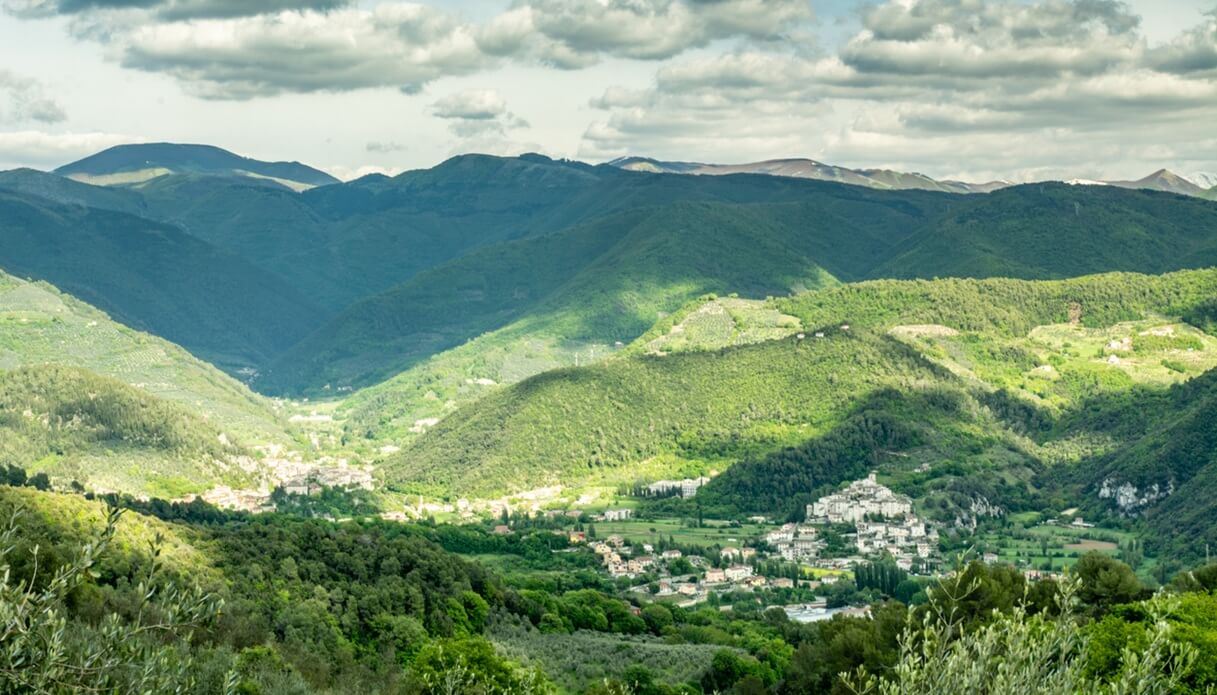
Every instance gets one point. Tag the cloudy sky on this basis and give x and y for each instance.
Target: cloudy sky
(973, 89)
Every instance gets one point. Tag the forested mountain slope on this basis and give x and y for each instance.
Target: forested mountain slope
(71, 424)
(69, 192)
(155, 277)
(1048, 231)
(600, 282)
(41, 325)
(355, 252)
(1052, 230)
(1003, 367)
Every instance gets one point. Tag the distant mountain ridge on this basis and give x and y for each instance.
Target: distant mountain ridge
(1163, 180)
(1204, 179)
(134, 164)
(153, 276)
(810, 169)
(1198, 184)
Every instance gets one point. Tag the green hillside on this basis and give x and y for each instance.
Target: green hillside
(41, 325)
(154, 277)
(1164, 465)
(1054, 230)
(555, 310)
(1024, 355)
(74, 425)
(602, 282)
(68, 192)
(1047, 231)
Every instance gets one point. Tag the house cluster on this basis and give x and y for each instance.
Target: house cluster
(686, 488)
(903, 539)
(796, 542)
(618, 557)
(614, 515)
(883, 521)
(311, 479)
(730, 578)
(225, 497)
(863, 498)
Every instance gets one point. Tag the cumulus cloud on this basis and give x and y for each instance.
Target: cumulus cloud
(346, 173)
(399, 45)
(167, 9)
(935, 41)
(575, 33)
(472, 104)
(34, 148)
(1193, 53)
(237, 49)
(23, 100)
(477, 113)
(924, 82)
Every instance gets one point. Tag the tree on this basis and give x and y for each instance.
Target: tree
(1021, 653)
(1106, 581)
(44, 650)
(460, 666)
(657, 617)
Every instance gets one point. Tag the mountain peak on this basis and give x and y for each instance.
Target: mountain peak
(136, 163)
(1163, 180)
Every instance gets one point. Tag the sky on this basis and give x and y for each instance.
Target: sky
(975, 90)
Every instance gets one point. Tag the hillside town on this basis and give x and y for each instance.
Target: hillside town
(883, 521)
(870, 523)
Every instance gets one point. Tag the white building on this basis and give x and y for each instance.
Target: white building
(687, 487)
(736, 573)
(861, 499)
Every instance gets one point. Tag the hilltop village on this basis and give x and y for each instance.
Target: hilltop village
(865, 523)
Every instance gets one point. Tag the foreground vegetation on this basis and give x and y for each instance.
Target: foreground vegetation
(212, 603)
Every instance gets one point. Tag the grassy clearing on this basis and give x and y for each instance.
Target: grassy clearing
(1055, 547)
(650, 531)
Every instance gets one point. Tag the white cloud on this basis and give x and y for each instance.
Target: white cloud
(394, 44)
(23, 100)
(238, 49)
(167, 9)
(479, 120)
(930, 84)
(472, 104)
(575, 33)
(346, 173)
(1193, 53)
(384, 146)
(40, 149)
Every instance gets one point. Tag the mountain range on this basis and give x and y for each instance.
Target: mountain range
(1197, 184)
(500, 324)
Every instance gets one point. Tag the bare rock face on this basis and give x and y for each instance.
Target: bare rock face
(1129, 499)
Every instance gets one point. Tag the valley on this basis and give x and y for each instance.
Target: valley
(517, 415)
